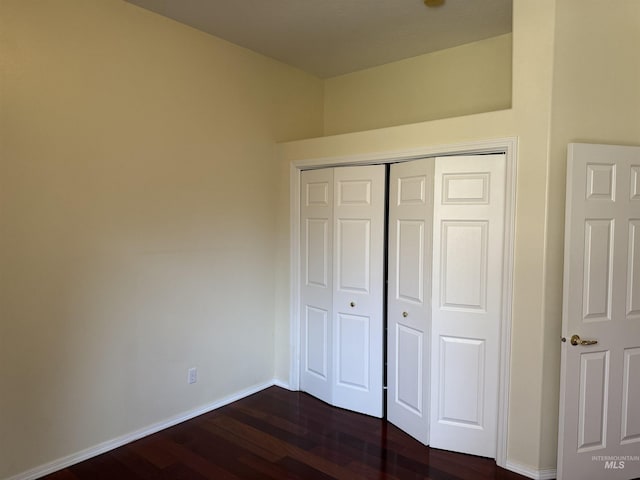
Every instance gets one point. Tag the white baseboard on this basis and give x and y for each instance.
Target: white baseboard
(548, 474)
(104, 447)
(281, 384)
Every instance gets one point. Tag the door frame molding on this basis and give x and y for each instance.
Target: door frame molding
(508, 146)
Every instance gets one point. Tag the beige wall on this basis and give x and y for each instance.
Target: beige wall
(529, 119)
(137, 216)
(472, 78)
(596, 99)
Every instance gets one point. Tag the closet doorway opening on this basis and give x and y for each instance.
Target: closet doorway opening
(448, 308)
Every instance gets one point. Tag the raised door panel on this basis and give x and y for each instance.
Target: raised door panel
(352, 359)
(598, 251)
(594, 396)
(317, 250)
(316, 342)
(634, 187)
(408, 387)
(354, 192)
(633, 273)
(409, 265)
(601, 181)
(465, 188)
(631, 396)
(463, 272)
(462, 382)
(353, 256)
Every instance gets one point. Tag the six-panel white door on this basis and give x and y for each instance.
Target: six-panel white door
(599, 434)
(469, 206)
(409, 296)
(342, 252)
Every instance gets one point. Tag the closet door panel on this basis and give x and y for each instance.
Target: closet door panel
(359, 199)
(469, 208)
(409, 296)
(316, 289)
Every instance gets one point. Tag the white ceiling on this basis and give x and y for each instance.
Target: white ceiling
(333, 37)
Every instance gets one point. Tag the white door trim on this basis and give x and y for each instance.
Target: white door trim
(508, 146)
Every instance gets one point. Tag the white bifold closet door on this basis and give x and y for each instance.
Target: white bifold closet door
(445, 284)
(342, 253)
(446, 235)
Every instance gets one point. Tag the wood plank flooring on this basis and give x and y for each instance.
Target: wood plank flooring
(277, 434)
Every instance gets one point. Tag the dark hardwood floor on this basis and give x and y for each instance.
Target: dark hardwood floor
(279, 434)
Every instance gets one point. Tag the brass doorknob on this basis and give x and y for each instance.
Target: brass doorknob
(405, 314)
(576, 340)
(352, 304)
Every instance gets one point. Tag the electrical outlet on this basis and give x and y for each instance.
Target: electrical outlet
(193, 375)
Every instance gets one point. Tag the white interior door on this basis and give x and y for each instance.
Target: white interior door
(469, 208)
(316, 288)
(599, 434)
(342, 255)
(358, 276)
(409, 296)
